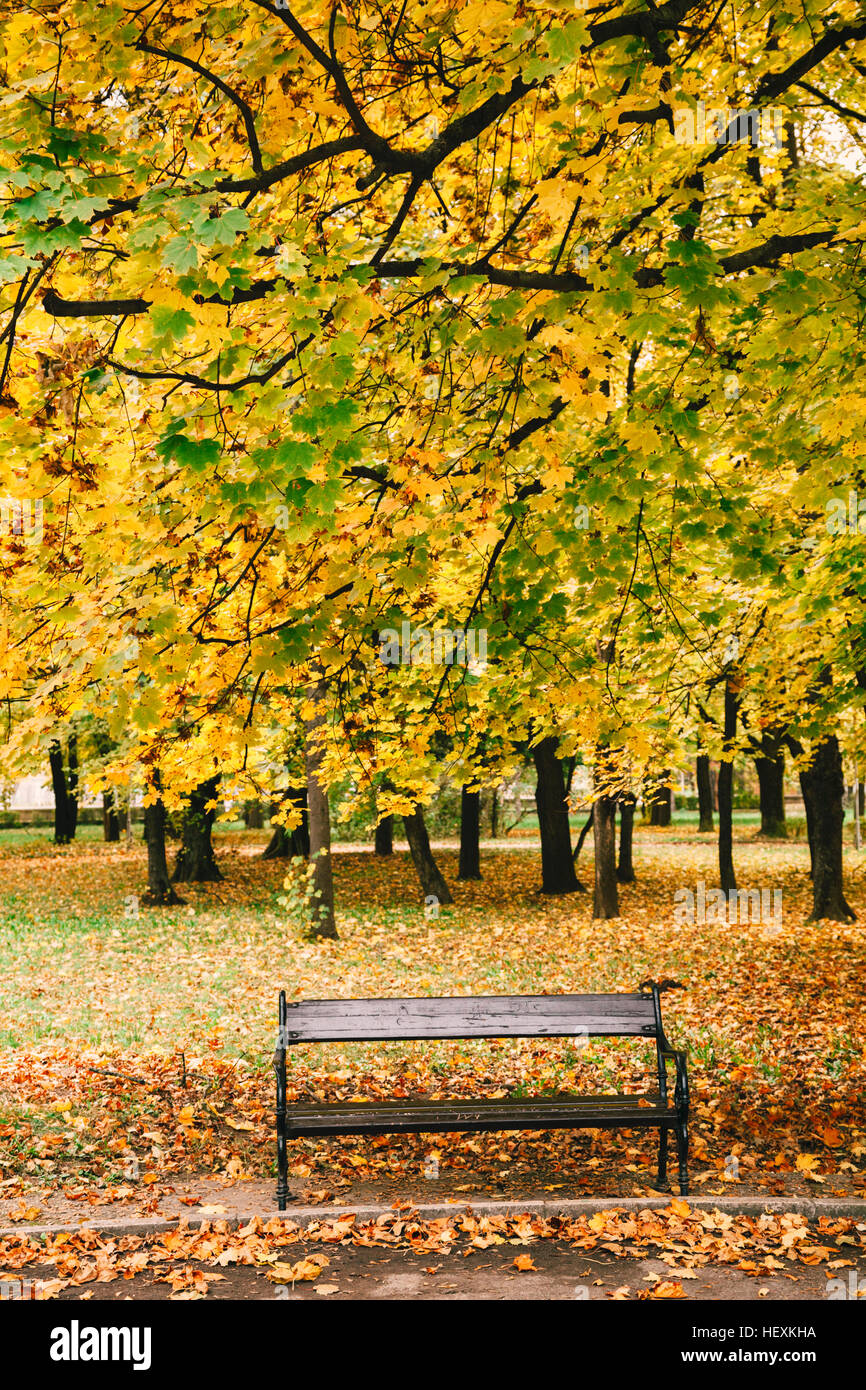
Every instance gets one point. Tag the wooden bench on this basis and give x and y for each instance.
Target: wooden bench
(491, 1016)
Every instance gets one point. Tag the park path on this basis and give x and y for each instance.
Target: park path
(546, 1271)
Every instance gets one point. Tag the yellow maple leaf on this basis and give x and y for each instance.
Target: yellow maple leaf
(304, 1269)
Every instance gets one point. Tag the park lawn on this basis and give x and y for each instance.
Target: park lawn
(104, 1015)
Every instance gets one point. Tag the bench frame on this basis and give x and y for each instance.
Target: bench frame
(531, 1016)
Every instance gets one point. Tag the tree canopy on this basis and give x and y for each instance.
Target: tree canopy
(536, 319)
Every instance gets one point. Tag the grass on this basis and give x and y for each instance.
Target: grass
(773, 1021)
(26, 835)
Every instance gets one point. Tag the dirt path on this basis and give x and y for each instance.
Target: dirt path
(558, 1273)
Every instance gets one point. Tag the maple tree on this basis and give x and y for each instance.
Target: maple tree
(330, 326)
(322, 319)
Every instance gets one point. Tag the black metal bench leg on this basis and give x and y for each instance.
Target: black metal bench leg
(280, 1073)
(683, 1155)
(282, 1164)
(282, 1154)
(663, 1158)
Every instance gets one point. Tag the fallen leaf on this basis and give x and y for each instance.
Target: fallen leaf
(668, 1288)
(304, 1269)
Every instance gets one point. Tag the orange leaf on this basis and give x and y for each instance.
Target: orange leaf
(668, 1288)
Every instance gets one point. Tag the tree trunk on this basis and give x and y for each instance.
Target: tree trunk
(195, 861)
(72, 782)
(587, 826)
(809, 808)
(808, 792)
(605, 902)
(727, 877)
(253, 815)
(433, 885)
(660, 801)
(625, 866)
(470, 828)
(319, 821)
(824, 786)
(110, 815)
(64, 828)
(705, 792)
(770, 767)
(291, 844)
(159, 890)
(494, 814)
(795, 748)
(299, 837)
(384, 843)
(557, 866)
(279, 846)
(110, 818)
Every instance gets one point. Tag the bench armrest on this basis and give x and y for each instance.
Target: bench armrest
(681, 1090)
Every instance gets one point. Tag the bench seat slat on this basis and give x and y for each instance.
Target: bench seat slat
(444, 1116)
(490, 1016)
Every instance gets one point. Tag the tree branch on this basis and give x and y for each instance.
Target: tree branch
(60, 308)
(227, 91)
(831, 102)
(773, 84)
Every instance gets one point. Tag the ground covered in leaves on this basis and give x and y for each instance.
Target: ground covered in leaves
(671, 1253)
(135, 1045)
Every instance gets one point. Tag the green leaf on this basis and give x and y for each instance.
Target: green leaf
(197, 454)
(12, 268)
(296, 456)
(143, 237)
(180, 255)
(221, 231)
(171, 324)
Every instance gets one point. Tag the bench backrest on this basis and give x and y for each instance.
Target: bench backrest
(484, 1016)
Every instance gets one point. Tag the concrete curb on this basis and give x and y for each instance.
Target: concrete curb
(811, 1208)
